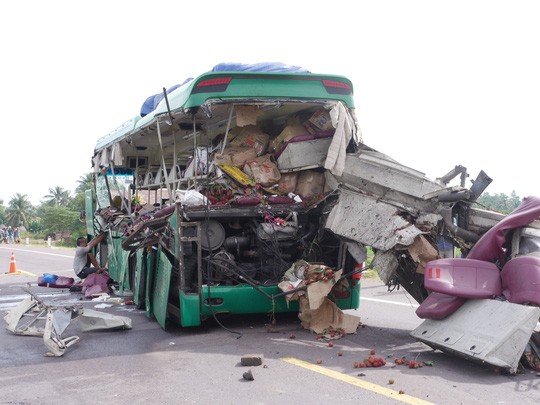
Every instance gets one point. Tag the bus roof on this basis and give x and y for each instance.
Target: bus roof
(239, 86)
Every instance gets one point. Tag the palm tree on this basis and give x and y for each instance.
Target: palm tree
(20, 210)
(57, 197)
(2, 211)
(85, 183)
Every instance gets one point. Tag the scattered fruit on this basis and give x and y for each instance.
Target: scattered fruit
(292, 336)
(391, 381)
(401, 392)
(319, 361)
(340, 354)
(372, 352)
(330, 344)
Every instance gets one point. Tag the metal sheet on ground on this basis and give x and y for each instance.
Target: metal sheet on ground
(491, 331)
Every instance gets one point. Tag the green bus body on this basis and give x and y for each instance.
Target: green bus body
(187, 262)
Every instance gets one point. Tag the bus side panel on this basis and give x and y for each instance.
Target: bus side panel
(150, 271)
(244, 299)
(352, 301)
(118, 263)
(140, 280)
(247, 300)
(190, 312)
(124, 271)
(114, 258)
(162, 282)
(89, 209)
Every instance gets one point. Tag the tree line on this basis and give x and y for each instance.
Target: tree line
(60, 211)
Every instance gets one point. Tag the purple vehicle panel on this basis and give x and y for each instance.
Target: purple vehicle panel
(452, 281)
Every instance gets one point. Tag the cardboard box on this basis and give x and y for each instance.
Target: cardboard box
(287, 183)
(320, 121)
(235, 156)
(310, 183)
(263, 170)
(251, 136)
(288, 133)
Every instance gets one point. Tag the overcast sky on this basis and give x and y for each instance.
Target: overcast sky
(437, 83)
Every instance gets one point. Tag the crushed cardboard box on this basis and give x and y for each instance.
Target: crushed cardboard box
(317, 312)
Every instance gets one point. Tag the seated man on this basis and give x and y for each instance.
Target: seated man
(84, 262)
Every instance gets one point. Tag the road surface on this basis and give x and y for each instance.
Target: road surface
(202, 365)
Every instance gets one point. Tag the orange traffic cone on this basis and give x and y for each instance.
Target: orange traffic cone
(13, 264)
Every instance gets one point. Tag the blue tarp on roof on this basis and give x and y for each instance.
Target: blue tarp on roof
(151, 102)
(258, 67)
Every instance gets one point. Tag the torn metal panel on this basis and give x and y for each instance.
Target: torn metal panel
(386, 265)
(32, 317)
(480, 221)
(381, 169)
(380, 175)
(28, 310)
(489, 331)
(91, 320)
(61, 319)
(51, 336)
(371, 222)
(358, 251)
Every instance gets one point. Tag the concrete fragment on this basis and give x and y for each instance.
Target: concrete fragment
(252, 360)
(248, 375)
(370, 222)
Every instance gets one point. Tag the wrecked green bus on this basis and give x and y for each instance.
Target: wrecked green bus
(214, 197)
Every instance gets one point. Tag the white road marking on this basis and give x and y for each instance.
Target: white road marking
(405, 304)
(36, 252)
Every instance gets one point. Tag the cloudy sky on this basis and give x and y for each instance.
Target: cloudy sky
(437, 83)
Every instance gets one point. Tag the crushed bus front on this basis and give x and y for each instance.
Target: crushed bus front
(213, 197)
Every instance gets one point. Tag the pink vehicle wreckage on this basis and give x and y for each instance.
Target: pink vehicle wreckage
(484, 305)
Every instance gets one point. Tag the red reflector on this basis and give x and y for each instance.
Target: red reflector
(333, 83)
(430, 272)
(357, 276)
(215, 82)
(438, 271)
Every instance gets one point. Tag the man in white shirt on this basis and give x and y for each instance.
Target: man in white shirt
(84, 262)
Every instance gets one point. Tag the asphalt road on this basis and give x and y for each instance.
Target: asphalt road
(202, 365)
